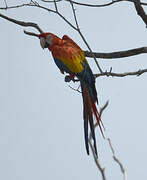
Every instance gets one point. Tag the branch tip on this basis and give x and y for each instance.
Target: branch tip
(31, 33)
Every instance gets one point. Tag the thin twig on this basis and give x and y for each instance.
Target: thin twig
(74, 14)
(135, 73)
(101, 169)
(94, 5)
(91, 52)
(55, 5)
(15, 6)
(103, 5)
(78, 29)
(30, 33)
(41, 7)
(75, 89)
(58, 13)
(48, 1)
(103, 108)
(6, 3)
(117, 160)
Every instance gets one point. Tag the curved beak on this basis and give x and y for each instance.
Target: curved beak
(42, 42)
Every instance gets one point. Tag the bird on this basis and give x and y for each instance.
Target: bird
(70, 59)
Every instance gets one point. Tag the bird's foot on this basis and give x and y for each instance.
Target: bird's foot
(69, 78)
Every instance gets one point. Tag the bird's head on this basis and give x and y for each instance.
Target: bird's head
(46, 40)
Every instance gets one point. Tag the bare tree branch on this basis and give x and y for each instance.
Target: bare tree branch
(35, 4)
(135, 73)
(55, 5)
(101, 169)
(91, 54)
(78, 29)
(94, 5)
(111, 55)
(140, 11)
(117, 160)
(119, 54)
(103, 108)
(112, 74)
(75, 89)
(22, 23)
(30, 33)
(48, 1)
(5, 3)
(103, 5)
(14, 7)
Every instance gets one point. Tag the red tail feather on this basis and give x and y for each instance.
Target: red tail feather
(97, 116)
(90, 111)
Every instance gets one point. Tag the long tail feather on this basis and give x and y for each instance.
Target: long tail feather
(86, 130)
(85, 115)
(91, 121)
(98, 118)
(90, 99)
(88, 111)
(92, 131)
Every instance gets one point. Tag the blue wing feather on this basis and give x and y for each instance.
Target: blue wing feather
(87, 79)
(61, 66)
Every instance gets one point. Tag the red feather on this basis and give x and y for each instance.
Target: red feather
(89, 112)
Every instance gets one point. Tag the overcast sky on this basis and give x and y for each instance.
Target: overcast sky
(41, 125)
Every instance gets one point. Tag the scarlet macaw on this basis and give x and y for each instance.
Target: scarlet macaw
(70, 58)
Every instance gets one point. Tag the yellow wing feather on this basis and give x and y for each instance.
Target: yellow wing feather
(70, 54)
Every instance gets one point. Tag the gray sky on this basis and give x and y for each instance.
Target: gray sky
(41, 125)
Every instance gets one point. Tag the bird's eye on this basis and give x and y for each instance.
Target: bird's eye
(49, 39)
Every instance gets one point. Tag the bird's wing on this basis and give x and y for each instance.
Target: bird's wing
(70, 55)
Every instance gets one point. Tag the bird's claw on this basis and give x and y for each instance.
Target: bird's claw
(69, 78)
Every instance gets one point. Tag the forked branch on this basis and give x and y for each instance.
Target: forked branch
(22, 23)
(111, 55)
(116, 159)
